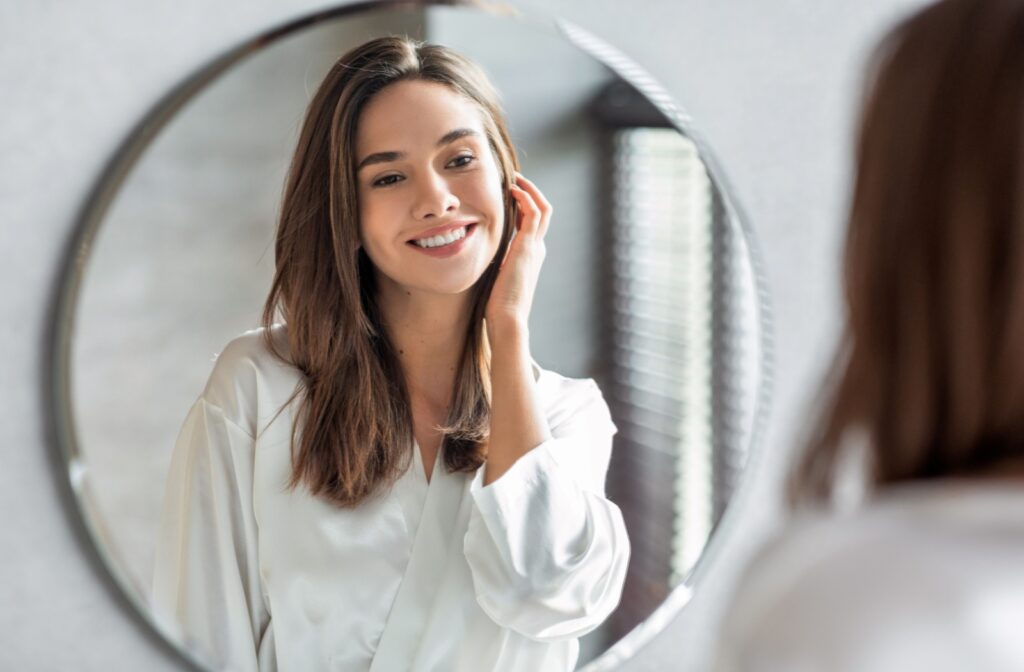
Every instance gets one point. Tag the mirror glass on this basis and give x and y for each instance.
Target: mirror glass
(649, 286)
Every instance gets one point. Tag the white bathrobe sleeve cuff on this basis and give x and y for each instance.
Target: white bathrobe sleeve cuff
(547, 550)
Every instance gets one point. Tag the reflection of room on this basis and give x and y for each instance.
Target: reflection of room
(184, 257)
(671, 337)
(646, 285)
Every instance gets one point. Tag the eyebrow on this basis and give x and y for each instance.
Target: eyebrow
(387, 157)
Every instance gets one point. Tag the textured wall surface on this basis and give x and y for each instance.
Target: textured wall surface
(772, 86)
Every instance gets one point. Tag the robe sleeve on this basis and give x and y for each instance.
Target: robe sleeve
(206, 581)
(547, 550)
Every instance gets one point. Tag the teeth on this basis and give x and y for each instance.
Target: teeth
(438, 241)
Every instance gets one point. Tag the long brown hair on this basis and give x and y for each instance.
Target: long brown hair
(931, 365)
(352, 435)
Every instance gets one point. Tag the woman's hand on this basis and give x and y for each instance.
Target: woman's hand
(512, 295)
(518, 421)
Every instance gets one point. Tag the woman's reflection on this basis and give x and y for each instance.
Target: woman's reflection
(305, 525)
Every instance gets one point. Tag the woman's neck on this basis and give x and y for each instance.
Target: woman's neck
(428, 332)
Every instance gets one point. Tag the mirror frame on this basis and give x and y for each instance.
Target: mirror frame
(71, 471)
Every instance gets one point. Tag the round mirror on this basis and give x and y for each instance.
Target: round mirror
(650, 285)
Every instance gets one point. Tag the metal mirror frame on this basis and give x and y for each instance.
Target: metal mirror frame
(71, 472)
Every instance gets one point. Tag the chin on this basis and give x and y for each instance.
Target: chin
(452, 289)
(456, 286)
(455, 281)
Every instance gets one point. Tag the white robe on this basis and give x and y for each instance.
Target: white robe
(448, 575)
(925, 576)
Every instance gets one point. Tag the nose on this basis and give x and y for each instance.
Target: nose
(434, 197)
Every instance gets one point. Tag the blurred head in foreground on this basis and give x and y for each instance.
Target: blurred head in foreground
(930, 369)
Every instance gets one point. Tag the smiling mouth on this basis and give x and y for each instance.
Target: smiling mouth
(450, 238)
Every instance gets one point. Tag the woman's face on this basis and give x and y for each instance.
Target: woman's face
(423, 165)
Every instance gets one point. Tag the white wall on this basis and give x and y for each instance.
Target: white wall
(771, 85)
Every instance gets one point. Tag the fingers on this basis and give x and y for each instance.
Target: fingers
(533, 191)
(529, 212)
(534, 206)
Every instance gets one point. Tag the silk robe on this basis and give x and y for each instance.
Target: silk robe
(449, 575)
(923, 575)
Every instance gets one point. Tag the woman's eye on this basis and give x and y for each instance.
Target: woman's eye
(387, 180)
(462, 161)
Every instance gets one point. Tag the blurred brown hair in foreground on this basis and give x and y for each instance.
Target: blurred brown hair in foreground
(931, 364)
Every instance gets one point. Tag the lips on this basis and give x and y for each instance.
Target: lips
(449, 250)
(440, 230)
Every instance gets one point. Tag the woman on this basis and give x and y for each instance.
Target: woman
(928, 395)
(387, 481)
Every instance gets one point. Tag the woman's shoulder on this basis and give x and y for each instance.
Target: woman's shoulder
(251, 347)
(935, 509)
(247, 374)
(925, 555)
(909, 521)
(565, 398)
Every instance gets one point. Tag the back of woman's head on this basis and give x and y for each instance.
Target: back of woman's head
(931, 367)
(354, 429)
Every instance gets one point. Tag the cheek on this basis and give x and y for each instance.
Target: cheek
(373, 214)
(492, 193)
(373, 239)
(493, 203)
